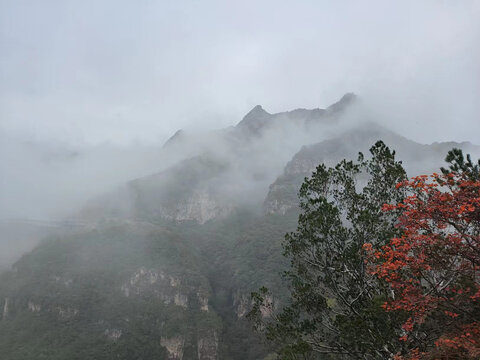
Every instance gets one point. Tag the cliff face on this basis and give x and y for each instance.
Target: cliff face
(189, 191)
(207, 346)
(175, 347)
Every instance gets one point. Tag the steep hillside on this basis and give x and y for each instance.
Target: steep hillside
(123, 291)
(132, 290)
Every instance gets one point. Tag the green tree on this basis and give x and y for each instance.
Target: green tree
(335, 306)
(459, 165)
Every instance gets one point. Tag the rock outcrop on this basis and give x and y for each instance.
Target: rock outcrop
(207, 346)
(113, 334)
(175, 347)
(5, 309)
(158, 284)
(33, 307)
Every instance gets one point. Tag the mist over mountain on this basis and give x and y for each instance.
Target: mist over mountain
(227, 168)
(152, 152)
(156, 253)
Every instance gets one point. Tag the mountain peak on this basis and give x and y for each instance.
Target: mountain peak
(175, 139)
(258, 110)
(346, 100)
(255, 118)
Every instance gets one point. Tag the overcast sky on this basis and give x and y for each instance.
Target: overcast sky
(137, 70)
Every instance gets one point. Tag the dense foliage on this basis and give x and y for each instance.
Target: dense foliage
(433, 268)
(335, 303)
(381, 266)
(66, 299)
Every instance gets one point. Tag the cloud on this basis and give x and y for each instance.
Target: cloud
(120, 71)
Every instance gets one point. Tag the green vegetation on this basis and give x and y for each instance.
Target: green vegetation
(66, 301)
(335, 304)
(67, 298)
(381, 267)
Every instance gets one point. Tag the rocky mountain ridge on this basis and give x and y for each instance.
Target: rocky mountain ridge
(228, 169)
(258, 120)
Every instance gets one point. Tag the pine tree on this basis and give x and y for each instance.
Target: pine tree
(335, 308)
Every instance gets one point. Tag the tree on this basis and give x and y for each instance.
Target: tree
(458, 165)
(335, 305)
(433, 268)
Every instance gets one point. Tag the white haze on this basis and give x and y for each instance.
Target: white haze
(90, 90)
(119, 71)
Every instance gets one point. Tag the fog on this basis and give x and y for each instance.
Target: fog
(90, 91)
(121, 71)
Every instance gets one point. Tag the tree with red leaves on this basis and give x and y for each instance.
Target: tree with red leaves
(433, 268)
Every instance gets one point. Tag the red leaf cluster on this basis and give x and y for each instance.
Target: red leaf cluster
(433, 269)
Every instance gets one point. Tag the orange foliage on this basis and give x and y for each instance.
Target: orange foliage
(434, 267)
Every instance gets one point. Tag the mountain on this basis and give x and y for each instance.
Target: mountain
(220, 170)
(258, 120)
(162, 267)
(417, 159)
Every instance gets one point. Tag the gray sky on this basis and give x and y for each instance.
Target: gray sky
(121, 71)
